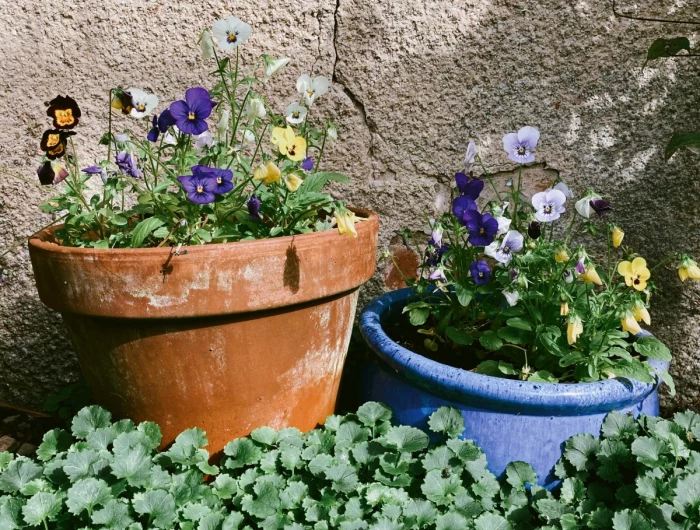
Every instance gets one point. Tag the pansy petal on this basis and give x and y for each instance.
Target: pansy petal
(304, 83)
(510, 143)
(529, 136)
(539, 199)
(461, 179)
(625, 268)
(638, 265)
(473, 189)
(556, 197)
(178, 111)
(199, 102)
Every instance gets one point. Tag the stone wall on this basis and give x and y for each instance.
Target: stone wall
(412, 82)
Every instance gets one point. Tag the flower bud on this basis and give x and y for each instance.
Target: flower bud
(617, 237)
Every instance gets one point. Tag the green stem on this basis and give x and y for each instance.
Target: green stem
(109, 126)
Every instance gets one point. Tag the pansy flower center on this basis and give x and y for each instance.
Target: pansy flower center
(191, 116)
(310, 92)
(219, 180)
(636, 280)
(521, 150)
(200, 189)
(548, 208)
(141, 107)
(482, 231)
(295, 115)
(231, 37)
(64, 117)
(481, 275)
(506, 249)
(291, 150)
(53, 140)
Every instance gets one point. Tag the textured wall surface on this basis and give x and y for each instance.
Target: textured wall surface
(412, 82)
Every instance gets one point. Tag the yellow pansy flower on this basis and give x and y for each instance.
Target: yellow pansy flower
(289, 144)
(641, 314)
(562, 256)
(591, 276)
(564, 309)
(629, 323)
(346, 223)
(617, 237)
(268, 173)
(292, 181)
(688, 269)
(636, 273)
(574, 329)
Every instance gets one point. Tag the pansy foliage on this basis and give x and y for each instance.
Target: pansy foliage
(187, 173)
(506, 292)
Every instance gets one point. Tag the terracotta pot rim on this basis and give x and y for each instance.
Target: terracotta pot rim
(39, 240)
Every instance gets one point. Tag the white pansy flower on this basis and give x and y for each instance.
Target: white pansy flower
(203, 140)
(142, 103)
(272, 66)
(312, 89)
(332, 134)
(503, 225)
(206, 44)
(295, 113)
(121, 138)
(583, 207)
(169, 139)
(471, 156)
(512, 297)
(231, 32)
(222, 125)
(255, 108)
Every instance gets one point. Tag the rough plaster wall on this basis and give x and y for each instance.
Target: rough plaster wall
(413, 80)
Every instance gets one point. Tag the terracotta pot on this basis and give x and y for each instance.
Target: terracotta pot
(226, 337)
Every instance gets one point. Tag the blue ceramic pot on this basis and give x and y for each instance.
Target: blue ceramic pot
(511, 420)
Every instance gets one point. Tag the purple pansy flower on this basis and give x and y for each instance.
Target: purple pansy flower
(51, 172)
(461, 205)
(154, 132)
(201, 189)
(580, 267)
(434, 252)
(165, 120)
(190, 115)
(438, 274)
(549, 205)
(482, 227)
(513, 274)
(503, 253)
(307, 164)
(481, 272)
(254, 208)
(467, 187)
(601, 206)
(222, 177)
(520, 146)
(96, 170)
(127, 164)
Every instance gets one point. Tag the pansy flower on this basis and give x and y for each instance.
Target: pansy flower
(307, 164)
(503, 225)
(201, 189)
(223, 178)
(51, 172)
(96, 170)
(438, 275)
(53, 143)
(121, 100)
(295, 113)
(206, 45)
(253, 205)
(470, 157)
(289, 144)
(231, 32)
(268, 172)
(635, 273)
(574, 329)
(292, 181)
(563, 188)
(127, 164)
(601, 206)
(273, 65)
(434, 250)
(312, 89)
(617, 236)
(203, 140)
(191, 113)
(481, 272)
(467, 187)
(64, 111)
(688, 269)
(521, 146)
(482, 227)
(534, 230)
(640, 312)
(346, 223)
(503, 253)
(255, 108)
(629, 323)
(153, 134)
(142, 103)
(461, 205)
(165, 120)
(512, 297)
(549, 205)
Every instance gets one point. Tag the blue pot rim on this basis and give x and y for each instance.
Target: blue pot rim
(470, 388)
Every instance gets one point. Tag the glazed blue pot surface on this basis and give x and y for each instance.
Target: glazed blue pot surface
(511, 420)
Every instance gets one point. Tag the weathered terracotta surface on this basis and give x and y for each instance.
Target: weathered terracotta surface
(229, 338)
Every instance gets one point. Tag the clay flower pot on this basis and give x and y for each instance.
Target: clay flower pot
(226, 337)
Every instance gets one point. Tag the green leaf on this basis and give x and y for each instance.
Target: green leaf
(518, 474)
(143, 229)
(491, 521)
(407, 439)
(418, 316)
(630, 520)
(159, 505)
(134, 465)
(632, 370)
(572, 490)
(265, 503)
(680, 140)
(666, 378)
(18, 473)
(448, 421)
(101, 438)
(687, 492)
(89, 419)
(579, 449)
(264, 435)
(667, 48)
(647, 450)
(152, 432)
(459, 336)
(552, 510)
(490, 341)
(419, 513)
(519, 323)
(439, 489)
(514, 335)
(542, 376)
(450, 521)
(42, 507)
(489, 367)
(114, 515)
(54, 441)
(371, 413)
(86, 494)
(79, 464)
(242, 452)
(315, 182)
(617, 424)
(652, 348)
(10, 513)
(5, 458)
(343, 477)
(464, 294)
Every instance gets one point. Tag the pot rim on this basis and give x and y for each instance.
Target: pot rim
(494, 392)
(40, 240)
